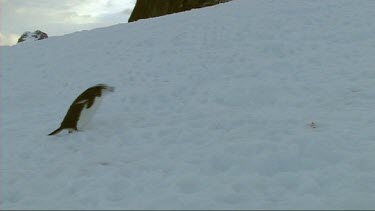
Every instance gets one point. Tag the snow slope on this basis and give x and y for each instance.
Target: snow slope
(212, 110)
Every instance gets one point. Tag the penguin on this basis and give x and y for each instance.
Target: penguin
(83, 108)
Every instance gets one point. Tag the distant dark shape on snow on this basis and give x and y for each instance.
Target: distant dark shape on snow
(154, 8)
(83, 108)
(32, 36)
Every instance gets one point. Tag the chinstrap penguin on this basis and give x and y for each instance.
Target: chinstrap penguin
(83, 108)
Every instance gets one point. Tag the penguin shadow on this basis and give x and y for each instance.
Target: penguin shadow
(107, 124)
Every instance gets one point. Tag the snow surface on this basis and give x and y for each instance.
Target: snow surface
(212, 110)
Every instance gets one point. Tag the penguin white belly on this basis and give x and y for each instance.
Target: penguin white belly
(88, 113)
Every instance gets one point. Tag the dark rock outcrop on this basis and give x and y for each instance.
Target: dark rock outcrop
(153, 8)
(33, 36)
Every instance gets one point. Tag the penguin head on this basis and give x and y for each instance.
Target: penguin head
(105, 88)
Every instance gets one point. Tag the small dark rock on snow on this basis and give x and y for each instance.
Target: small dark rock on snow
(32, 36)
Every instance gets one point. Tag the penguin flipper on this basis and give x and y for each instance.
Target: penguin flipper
(58, 130)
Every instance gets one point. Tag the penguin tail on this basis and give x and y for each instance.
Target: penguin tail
(58, 130)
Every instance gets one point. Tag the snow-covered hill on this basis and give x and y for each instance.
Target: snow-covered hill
(212, 110)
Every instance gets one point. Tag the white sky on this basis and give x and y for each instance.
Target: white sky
(58, 17)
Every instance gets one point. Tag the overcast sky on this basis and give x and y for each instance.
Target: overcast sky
(58, 17)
